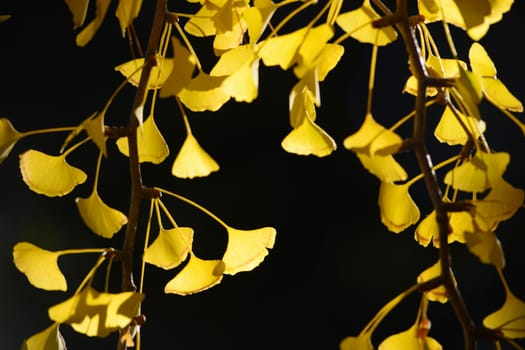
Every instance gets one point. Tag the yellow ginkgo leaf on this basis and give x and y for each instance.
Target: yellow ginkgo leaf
(450, 130)
(509, 319)
(303, 98)
(127, 11)
(493, 89)
(151, 144)
(479, 173)
(258, 17)
(8, 138)
(371, 138)
(241, 68)
(398, 210)
(358, 24)
(196, 276)
(327, 60)
(170, 248)
(409, 339)
(361, 342)
(132, 71)
(97, 314)
(439, 67)
(282, 49)
(99, 217)
(203, 93)
(487, 247)
(459, 223)
(501, 203)
(78, 9)
(184, 64)
(40, 266)
(89, 31)
(202, 23)
(49, 339)
(438, 294)
(246, 249)
(308, 138)
(192, 160)
(385, 168)
(49, 175)
(313, 44)
(468, 92)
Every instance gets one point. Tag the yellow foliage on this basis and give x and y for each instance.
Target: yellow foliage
(510, 318)
(192, 160)
(170, 248)
(48, 339)
(8, 138)
(99, 217)
(397, 208)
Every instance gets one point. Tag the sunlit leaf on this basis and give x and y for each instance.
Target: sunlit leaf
(203, 93)
(282, 49)
(184, 64)
(371, 137)
(192, 160)
(451, 131)
(459, 223)
(8, 138)
(308, 138)
(501, 203)
(409, 339)
(358, 23)
(327, 60)
(96, 313)
(40, 266)
(246, 249)
(132, 70)
(438, 294)
(447, 68)
(303, 98)
(385, 168)
(487, 247)
(313, 44)
(361, 342)
(78, 9)
(468, 92)
(398, 210)
(94, 127)
(170, 248)
(493, 89)
(99, 217)
(85, 36)
(241, 68)
(152, 146)
(230, 26)
(196, 276)
(127, 11)
(202, 24)
(510, 318)
(49, 175)
(258, 17)
(49, 339)
(479, 173)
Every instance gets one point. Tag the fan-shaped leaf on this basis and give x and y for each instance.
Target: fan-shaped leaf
(308, 138)
(132, 70)
(183, 67)
(170, 248)
(409, 340)
(192, 160)
(99, 217)
(361, 342)
(203, 93)
(282, 49)
(487, 247)
(85, 36)
(40, 266)
(438, 294)
(8, 138)
(450, 130)
(510, 318)
(127, 11)
(398, 210)
(49, 339)
(196, 276)
(49, 175)
(386, 168)
(246, 249)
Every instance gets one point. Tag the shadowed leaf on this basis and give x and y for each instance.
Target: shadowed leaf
(49, 339)
(8, 138)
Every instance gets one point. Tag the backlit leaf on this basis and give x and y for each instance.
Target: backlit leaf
(468, 92)
(303, 98)
(308, 138)
(246, 249)
(96, 313)
(510, 318)
(203, 93)
(487, 247)
(459, 224)
(49, 175)
(358, 23)
(49, 339)
(196, 276)
(450, 129)
(258, 17)
(409, 339)
(94, 127)
(78, 9)
(152, 146)
(40, 266)
(132, 70)
(184, 64)
(361, 342)
(371, 137)
(202, 23)
(85, 36)
(313, 44)
(385, 168)
(493, 89)
(479, 173)
(438, 294)
(127, 11)
(99, 217)
(328, 59)
(170, 248)
(281, 50)
(8, 138)
(398, 210)
(192, 160)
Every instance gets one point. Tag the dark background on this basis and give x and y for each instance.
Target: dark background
(333, 265)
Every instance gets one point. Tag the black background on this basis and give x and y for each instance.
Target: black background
(333, 265)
